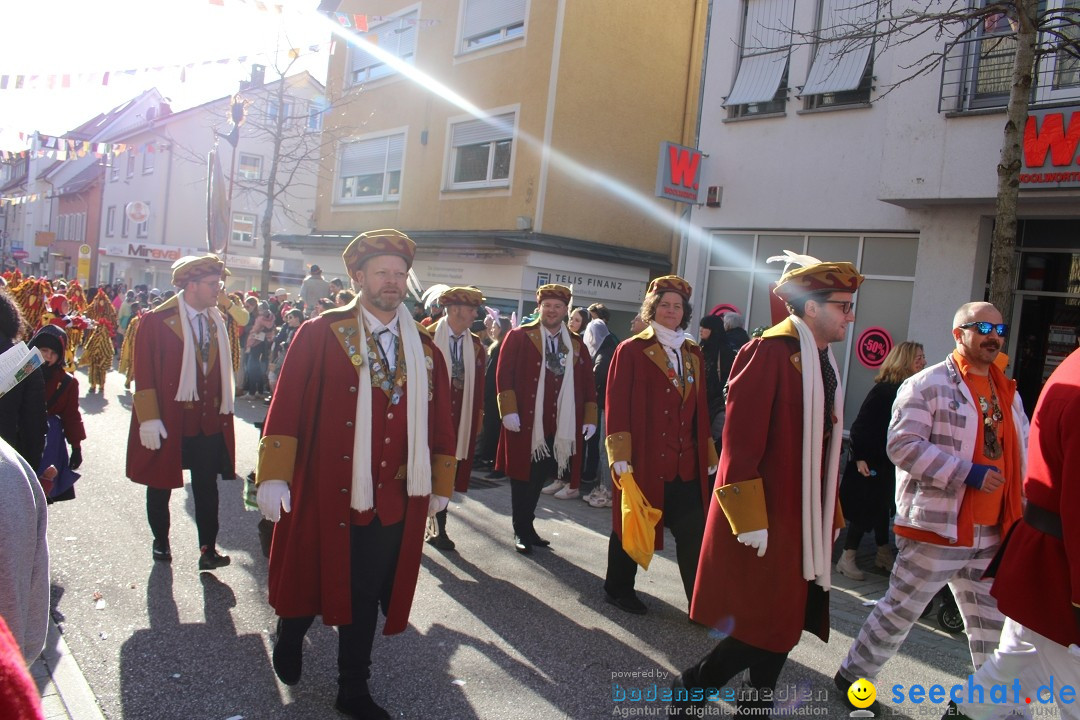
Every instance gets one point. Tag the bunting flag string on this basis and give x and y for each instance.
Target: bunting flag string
(61, 149)
(61, 81)
(361, 23)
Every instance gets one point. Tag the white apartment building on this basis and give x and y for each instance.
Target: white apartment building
(808, 152)
(154, 204)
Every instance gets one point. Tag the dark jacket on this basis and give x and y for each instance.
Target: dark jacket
(22, 414)
(601, 364)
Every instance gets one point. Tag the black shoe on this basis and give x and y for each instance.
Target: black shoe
(681, 705)
(539, 541)
(211, 559)
(288, 660)
(359, 705)
(161, 552)
(522, 545)
(443, 542)
(628, 602)
(495, 475)
(842, 684)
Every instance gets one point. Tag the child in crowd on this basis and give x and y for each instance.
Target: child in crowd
(64, 419)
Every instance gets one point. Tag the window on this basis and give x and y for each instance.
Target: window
(481, 152)
(489, 22)
(143, 229)
(125, 224)
(131, 163)
(243, 229)
(114, 168)
(314, 116)
(272, 112)
(148, 160)
(370, 169)
(761, 83)
(110, 221)
(396, 36)
(249, 167)
(61, 228)
(841, 73)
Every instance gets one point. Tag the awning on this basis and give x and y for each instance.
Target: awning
(839, 64)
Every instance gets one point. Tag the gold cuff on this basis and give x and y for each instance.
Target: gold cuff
(744, 505)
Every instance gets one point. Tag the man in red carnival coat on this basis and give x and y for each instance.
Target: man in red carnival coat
(765, 566)
(658, 426)
(183, 405)
(1042, 628)
(547, 401)
(358, 450)
(465, 362)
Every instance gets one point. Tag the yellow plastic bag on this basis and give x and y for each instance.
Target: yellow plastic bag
(639, 520)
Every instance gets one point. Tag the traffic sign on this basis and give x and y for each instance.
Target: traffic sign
(20, 254)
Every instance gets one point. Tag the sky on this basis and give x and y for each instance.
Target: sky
(76, 37)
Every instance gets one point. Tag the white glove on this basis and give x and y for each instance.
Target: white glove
(151, 433)
(437, 504)
(588, 430)
(512, 422)
(757, 539)
(621, 467)
(272, 496)
(712, 469)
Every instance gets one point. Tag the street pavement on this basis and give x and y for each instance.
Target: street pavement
(492, 634)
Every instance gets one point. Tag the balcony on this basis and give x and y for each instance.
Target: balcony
(976, 74)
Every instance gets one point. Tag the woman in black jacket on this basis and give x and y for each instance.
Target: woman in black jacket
(22, 409)
(601, 343)
(489, 431)
(869, 482)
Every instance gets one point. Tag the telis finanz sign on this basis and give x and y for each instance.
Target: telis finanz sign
(678, 173)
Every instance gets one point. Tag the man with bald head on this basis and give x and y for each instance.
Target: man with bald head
(958, 437)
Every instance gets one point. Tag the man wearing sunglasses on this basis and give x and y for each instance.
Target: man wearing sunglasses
(958, 438)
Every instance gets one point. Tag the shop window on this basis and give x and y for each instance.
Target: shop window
(481, 151)
(490, 22)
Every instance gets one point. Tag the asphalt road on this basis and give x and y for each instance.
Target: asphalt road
(492, 635)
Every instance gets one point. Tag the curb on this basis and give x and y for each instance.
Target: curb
(68, 678)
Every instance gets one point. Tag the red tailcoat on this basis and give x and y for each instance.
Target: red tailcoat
(1052, 484)
(521, 360)
(761, 600)
(661, 428)
(457, 397)
(308, 441)
(159, 349)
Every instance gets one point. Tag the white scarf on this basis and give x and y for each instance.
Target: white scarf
(565, 410)
(416, 405)
(188, 391)
(818, 505)
(442, 341)
(672, 340)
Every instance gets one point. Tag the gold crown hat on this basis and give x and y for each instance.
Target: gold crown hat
(554, 291)
(193, 267)
(467, 295)
(378, 242)
(670, 283)
(813, 275)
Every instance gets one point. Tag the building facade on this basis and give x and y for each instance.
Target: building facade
(515, 140)
(832, 148)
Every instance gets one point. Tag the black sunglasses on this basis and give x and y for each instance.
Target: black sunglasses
(984, 328)
(846, 306)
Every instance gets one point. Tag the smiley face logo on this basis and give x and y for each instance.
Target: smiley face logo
(862, 693)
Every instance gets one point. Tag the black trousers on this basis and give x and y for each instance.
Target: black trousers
(373, 555)
(685, 517)
(202, 455)
(524, 494)
(729, 658)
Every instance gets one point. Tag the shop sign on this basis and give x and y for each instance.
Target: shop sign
(1051, 139)
(601, 287)
(678, 173)
(147, 251)
(872, 347)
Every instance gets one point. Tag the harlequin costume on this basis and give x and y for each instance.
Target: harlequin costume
(781, 444)
(534, 366)
(182, 414)
(465, 362)
(359, 429)
(658, 422)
